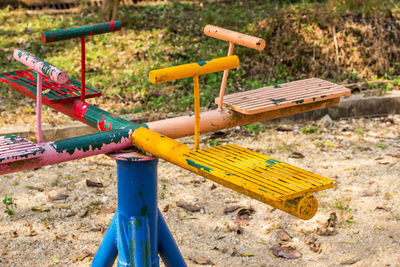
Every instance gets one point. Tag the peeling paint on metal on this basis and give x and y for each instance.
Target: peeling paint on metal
(90, 142)
(198, 166)
(82, 31)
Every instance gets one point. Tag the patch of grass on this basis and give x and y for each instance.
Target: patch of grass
(163, 190)
(94, 206)
(319, 144)
(49, 218)
(214, 142)
(56, 182)
(381, 145)
(348, 223)
(254, 128)
(310, 129)
(359, 131)
(9, 204)
(341, 205)
(165, 34)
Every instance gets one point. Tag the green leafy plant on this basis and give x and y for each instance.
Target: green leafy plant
(311, 129)
(254, 128)
(319, 144)
(213, 142)
(381, 146)
(359, 131)
(10, 205)
(163, 190)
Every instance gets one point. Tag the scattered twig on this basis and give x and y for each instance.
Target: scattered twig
(336, 47)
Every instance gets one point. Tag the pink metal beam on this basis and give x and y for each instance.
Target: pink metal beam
(73, 148)
(39, 108)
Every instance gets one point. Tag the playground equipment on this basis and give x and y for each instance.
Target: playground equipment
(138, 233)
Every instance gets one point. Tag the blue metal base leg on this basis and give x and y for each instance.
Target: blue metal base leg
(167, 248)
(107, 252)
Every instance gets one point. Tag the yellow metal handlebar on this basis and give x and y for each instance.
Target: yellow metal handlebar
(193, 69)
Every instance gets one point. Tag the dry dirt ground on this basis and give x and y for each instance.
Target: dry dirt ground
(358, 221)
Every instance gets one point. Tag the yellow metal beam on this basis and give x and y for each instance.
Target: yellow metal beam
(193, 69)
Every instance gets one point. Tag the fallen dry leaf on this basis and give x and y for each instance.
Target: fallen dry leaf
(231, 209)
(284, 236)
(219, 134)
(349, 261)
(329, 227)
(107, 210)
(234, 227)
(287, 253)
(284, 129)
(93, 184)
(186, 206)
(244, 216)
(32, 187)
(386, 196)
(40, 209)
(314, 244)
(166, 207)
(234, 252)
(382, 208)
(202, 261)
(296, 155)
(58, 197)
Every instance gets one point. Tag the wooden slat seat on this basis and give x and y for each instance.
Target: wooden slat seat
(283, 95)
(25, 80)
(15, 148)
(249, 171)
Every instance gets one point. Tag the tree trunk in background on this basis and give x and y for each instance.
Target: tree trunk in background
(110, 9)
(115, 10)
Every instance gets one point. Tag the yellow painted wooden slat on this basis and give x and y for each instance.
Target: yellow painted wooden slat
(255, 170)
(218, 171)
(297, 178)
(242, 173)
(310, 175)
(280, 179)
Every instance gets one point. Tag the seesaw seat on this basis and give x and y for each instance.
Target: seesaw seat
(256, 173)
(25, 82)
(283, 95)
(240, 169)
(15, 148)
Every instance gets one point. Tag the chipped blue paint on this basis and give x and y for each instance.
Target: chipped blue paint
(271, 162)
(300, 101)
(202, 63)
(198, 166)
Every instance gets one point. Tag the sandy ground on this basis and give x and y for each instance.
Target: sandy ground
(361, 155)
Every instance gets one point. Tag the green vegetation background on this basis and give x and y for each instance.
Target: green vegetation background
(299, 37)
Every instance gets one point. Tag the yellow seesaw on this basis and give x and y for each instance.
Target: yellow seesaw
(268, 180)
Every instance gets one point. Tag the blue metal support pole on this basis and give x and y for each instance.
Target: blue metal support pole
(138, 231)
(137, 213)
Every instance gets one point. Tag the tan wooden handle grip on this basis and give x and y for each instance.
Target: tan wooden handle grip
(235, 37)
